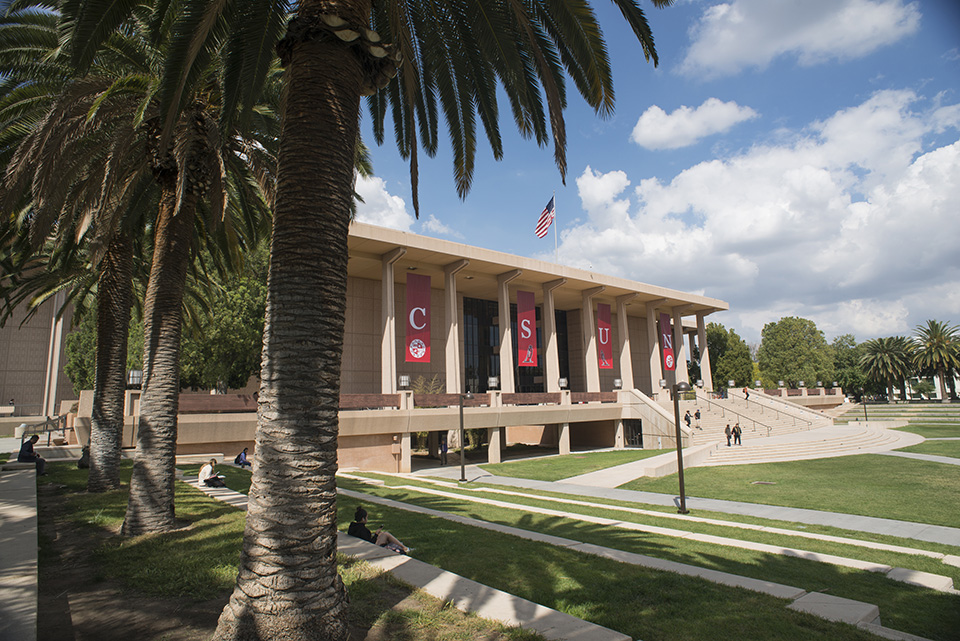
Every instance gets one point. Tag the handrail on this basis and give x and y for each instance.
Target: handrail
(771, 406)
(724, 410)
(56, 424)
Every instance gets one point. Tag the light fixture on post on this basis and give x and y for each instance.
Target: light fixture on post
(134, 377)
(403, 382)
(757, 384)
(678, 389)
(731, 383)
(800, 384)
(617, 383)
(562, 383)
(700, 383)
(663, 383)
(463, 444)
(819, 383)
(493, 382)
(780, 384)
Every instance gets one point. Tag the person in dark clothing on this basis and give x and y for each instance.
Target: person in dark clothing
(241, 459)
(736, 434)
(728, 432)
(27, 455)
(381, 537)
(443, 449)
(686, 418)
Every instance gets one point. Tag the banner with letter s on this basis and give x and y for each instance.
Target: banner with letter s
(526, 330)
(604, 345)
(418, 319)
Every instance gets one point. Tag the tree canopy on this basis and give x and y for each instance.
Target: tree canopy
(793, 350)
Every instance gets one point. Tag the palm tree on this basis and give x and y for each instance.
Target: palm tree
(446, 58)
(938, 349)
(887, 360)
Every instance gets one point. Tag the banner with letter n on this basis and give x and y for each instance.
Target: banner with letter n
(666, 342)
(604, 345)
(418, 318)
(526, 330)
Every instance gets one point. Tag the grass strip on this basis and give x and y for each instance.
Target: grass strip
(554, 468)
(640, 602)
(932, 430)
(939, 448)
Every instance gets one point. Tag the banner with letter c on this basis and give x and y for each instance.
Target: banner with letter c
(605, 345)
(666, 342)
(526, 330)
(418, 319)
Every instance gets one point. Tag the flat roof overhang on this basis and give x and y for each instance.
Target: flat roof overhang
(428, 256)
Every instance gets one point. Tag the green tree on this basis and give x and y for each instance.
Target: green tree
(444, 60)
(846, 363)
(938, 349)
(887, 360)
(793, 350)
(734, 364)
(223, 350)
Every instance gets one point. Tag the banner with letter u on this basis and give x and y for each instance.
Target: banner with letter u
(666, 342)
(418, 318)
(526, 330)
(604, 343)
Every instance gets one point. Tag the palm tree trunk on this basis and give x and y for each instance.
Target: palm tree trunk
(114, 296)
(288, 586)
(943, 386)
(150, 507)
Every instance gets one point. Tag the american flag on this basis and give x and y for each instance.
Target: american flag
(546, 218)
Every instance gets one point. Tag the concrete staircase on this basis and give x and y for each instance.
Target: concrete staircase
(822, 442)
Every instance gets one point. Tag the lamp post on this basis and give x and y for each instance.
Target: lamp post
(678, 388)
(463, 443)
(863, 399)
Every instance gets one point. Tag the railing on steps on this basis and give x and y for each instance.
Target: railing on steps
(52, 424)
(724, 410)
(771, 406)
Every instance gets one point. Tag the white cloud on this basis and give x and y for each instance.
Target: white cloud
(433, 225)
(684, 126)
(851, 222)
(379, 207)
(741, 34)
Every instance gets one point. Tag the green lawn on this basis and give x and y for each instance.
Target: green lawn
(235, 478)
(866, 484)
(554, 468)
(933, 430)
(639, 602)
(940, 448)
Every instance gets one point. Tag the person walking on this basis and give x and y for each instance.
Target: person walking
(728, 432)
(443, 449)
(746, 393)
(736, 435)
(696, 416)
(686, 418)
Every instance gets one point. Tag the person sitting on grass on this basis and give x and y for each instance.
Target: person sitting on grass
(241, 459)
(381, 537)
(210, 478)
(27, 455)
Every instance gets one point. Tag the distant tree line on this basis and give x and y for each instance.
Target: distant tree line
(793, 350)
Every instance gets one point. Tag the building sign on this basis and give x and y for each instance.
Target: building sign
(526, 330)
(418, 319)
(666, 342)
(605, 345)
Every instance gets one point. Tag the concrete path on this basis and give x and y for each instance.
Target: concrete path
(18, 555)
(934, 458)
(904, 529)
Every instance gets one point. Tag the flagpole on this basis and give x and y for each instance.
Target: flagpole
(556, 247)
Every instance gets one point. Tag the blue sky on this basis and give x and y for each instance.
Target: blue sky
(791, 157)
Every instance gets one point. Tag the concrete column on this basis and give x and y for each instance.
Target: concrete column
(705, 374)
(506, 332)
(619, 440)
(563, 436)
(52, 374)
(433, 444)
(589, 333)
(653, 344)
(406, 465)
(551, 351)
(623, 338)
(494, 438)
(451, 350)
(681, 350)
(388, 322)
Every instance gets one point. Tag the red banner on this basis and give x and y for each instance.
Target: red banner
(605, 344)
(666, 342)
(418, 318)
(526, 330)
